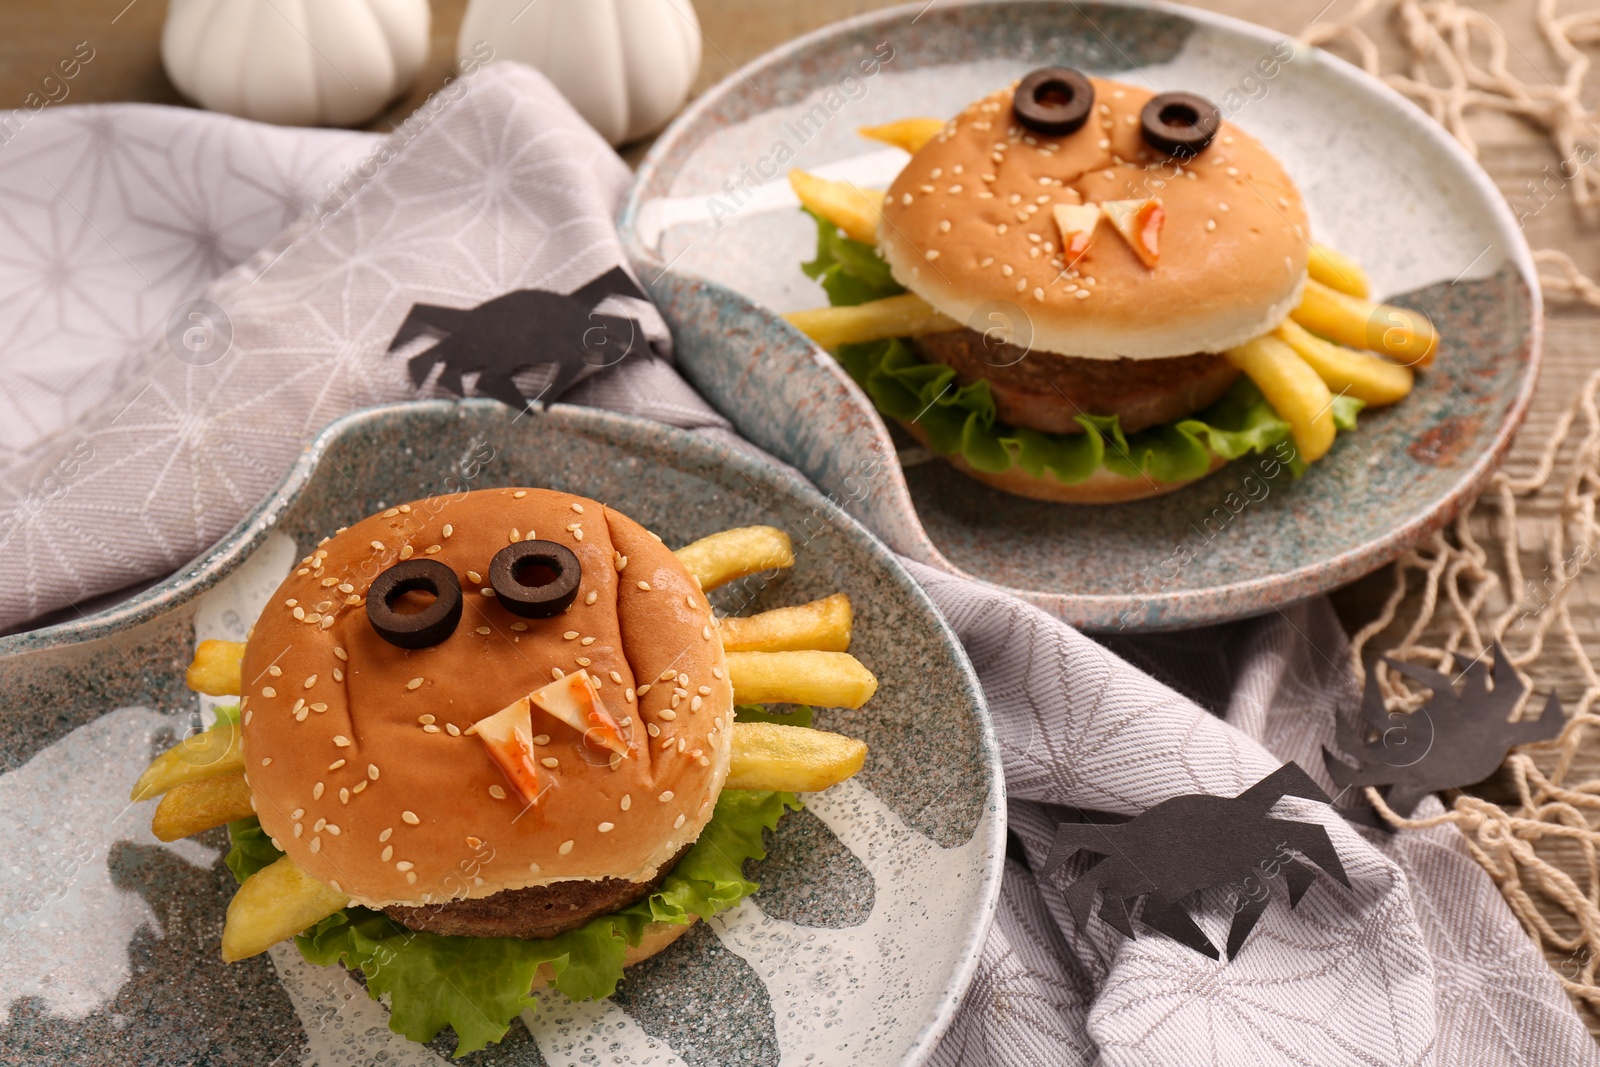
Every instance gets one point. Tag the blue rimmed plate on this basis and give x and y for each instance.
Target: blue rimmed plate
(875, 899)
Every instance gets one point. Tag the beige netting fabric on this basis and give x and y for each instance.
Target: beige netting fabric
(1512, 568)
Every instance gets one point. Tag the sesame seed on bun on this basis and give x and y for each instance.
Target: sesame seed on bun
(357, 750)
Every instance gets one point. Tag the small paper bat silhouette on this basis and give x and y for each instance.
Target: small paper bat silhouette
(1194, 842)
(1450, 742)
(522, 330)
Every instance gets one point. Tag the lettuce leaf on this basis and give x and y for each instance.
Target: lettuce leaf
(800, 715)
(477, 985)
(1345, 409)
(849, 270)
(252, 849)
(962, 419)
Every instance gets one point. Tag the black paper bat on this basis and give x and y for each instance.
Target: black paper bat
(1450, 742)
(1196, 842)
(522, 330)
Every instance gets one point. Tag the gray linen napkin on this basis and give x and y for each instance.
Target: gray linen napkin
(1420, 963)
(113, 217)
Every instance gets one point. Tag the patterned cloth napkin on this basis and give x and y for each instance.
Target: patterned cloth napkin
(129, 446)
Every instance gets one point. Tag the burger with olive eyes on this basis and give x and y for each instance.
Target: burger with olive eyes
(489, 742)
(1080, 290)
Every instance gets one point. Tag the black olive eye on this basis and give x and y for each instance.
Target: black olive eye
(1053, 101)
(417, 629)
(1179, 124)
(535, 579)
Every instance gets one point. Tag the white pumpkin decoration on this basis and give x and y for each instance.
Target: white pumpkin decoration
(626, 65)
(296, 62)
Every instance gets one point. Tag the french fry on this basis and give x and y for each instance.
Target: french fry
(831, 679)
(204, 755)
(273, 905)
(894, 316)
(732, 554)
(855, 211)
(1345, 370)
(1337, 271)
(791, 758)
(823, 625)
(909, 134)
(195, 807)
(215, 668)
(1405, 336)
(1293, 389)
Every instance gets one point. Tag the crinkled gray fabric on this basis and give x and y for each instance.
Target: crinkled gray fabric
(503, 188)
(1419, 962)
(110, 217)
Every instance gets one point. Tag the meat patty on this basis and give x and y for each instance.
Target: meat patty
(1045, 391)
(534, 913)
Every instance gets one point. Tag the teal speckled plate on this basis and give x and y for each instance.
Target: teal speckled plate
(875, 899)
(715, 232)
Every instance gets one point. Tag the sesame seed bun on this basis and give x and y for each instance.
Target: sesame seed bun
(1101, 487)
(356, 752)
(962, 221)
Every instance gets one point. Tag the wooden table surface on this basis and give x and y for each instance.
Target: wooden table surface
(35, 34)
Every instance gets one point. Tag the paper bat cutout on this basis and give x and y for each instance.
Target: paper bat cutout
(522, 330)
(1196, 842)
(1450, 742)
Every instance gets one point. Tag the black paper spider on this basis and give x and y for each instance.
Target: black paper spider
(1450, 742)
(522, 330)
(1196, 842)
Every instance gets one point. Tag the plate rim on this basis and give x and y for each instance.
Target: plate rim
(237, 546)
(1220, 602)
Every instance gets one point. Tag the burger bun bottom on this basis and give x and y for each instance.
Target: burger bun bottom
(1101, 487)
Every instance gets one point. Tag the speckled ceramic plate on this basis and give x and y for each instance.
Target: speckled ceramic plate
(715, 232)
(875, 899)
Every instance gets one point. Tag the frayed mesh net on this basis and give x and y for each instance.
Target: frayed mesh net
(1511, 567)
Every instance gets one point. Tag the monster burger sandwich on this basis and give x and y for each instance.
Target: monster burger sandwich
(488, 742)
(1083, 291)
